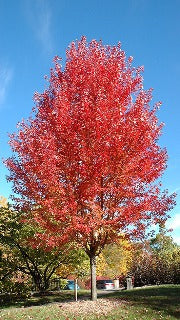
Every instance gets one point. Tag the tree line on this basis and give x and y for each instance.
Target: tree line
(24, 268)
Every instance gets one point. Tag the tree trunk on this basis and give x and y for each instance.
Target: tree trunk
(93, 277)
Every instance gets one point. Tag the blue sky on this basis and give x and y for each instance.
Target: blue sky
(34, 31)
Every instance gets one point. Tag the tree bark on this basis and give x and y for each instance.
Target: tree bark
(93, 277)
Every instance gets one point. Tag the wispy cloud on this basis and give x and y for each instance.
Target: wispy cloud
(6, 74)
(174, 222)
(176, 239)
(176, 190)
(40, 18)
(136, 5)
(44, 30)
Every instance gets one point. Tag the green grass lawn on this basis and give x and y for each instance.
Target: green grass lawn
(151, 303)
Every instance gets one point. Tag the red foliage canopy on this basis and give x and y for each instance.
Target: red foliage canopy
(85, 165)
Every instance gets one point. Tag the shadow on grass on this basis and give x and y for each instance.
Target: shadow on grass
(38, 300)
(159, 298)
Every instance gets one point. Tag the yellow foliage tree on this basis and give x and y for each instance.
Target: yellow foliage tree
(77, 266)
(115, 260)
(3, 202)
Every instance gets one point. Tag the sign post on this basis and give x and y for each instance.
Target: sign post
(75, 289)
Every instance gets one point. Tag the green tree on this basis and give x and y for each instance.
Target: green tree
(11, 278)
(156, 261)
(167, 254)
(17, 256)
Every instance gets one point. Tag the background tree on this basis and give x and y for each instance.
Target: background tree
(86, 163)
(157, 261)
(77, 266)
(167, 254)
(12, 280)
(143, 265)
(19, 258)
(115, 260)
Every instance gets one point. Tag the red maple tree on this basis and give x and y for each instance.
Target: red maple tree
(86, 164)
